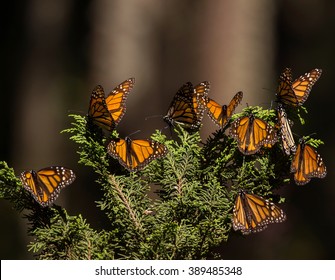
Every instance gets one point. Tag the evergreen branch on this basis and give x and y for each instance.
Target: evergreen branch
(197, 185)
(11, 189)
(126, 202)
(66, 237)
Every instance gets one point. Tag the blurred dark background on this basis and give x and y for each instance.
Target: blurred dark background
(53, 53)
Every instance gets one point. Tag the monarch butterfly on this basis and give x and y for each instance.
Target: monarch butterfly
(117, 98)
(186, 108)
(252, 213)
(222, 114)
(252, 133)
(295, 93)
(108, 112)
(45, 184)
(134, 155)
(98, 111)
(307, 163)
(285, 131)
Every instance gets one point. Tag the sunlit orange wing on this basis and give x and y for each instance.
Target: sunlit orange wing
(134, 155)
(253, 213)
(116, 100)
(252, 133)
(306, 164)
(45, 184)
(98, 112)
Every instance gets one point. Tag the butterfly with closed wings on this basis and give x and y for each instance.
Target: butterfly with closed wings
(286, 135)
(45, 184)
(307, 163)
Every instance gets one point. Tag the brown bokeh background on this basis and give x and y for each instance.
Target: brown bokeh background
(53, 53)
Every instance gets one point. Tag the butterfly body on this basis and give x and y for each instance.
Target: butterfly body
(45, 184)
(134, 155)
(222, 114)
(295, 93)
(306, 164)
(252, 133)
(253, 213)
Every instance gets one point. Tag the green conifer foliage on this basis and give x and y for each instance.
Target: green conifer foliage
(190, 215)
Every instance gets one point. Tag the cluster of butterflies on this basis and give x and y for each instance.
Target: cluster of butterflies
(107, 112)
(251, 213)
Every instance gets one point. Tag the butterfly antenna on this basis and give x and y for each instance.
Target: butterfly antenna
(75, 111)
(137, 131)
(153, 116)
(268, 89)
(296, 134)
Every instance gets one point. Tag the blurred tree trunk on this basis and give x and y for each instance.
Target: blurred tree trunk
(163, 44)
(166, 43)
(40, 109)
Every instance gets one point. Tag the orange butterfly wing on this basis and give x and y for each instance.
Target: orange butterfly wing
(98, 112)
(199, 96)
(116, 99)
(253, 213)
(303, 85)
(306, 164)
